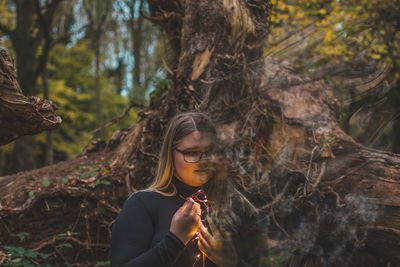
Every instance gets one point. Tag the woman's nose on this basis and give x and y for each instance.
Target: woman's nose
(205, 157)
(213, 157)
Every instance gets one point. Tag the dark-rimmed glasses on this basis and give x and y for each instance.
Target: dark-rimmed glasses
(191, 156)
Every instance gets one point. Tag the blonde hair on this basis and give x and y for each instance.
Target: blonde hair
(178, 127)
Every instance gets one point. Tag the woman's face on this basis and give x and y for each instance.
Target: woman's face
(193, 174)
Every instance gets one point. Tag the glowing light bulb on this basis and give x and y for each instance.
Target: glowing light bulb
(198, 256)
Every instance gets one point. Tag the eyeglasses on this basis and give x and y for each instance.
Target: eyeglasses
(194, 156)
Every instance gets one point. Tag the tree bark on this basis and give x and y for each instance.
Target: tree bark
(136, 27)
(20, 115)
(137, 47)
(49, 158)
(324, 200)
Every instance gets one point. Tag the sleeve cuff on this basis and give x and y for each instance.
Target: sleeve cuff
(176, 239)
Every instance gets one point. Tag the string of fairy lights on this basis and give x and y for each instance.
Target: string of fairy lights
(200, 197)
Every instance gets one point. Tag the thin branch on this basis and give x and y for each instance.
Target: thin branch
(116, 119)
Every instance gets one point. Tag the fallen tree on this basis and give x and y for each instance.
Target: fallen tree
(325, 200)
(20, 115)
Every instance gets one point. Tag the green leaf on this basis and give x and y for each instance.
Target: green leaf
(64, 179)
(46, 183)
(22, 235)
(31, 194)
(44, 256)
(105, 182)
(31, 254)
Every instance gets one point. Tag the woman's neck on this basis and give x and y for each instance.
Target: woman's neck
(184, 189)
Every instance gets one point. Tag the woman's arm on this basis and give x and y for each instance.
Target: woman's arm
(132, 236)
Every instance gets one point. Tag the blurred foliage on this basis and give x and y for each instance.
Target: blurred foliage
(71, 89)
(355, 46)
(71, 73)
(18, 256)
(7, 16)
(336, 30)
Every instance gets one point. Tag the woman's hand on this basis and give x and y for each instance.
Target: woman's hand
(217, 248)
(186, 221)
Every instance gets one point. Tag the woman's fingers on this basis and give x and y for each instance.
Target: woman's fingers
(206, 236)
(206, 242)
(184, 206)
(203, 247)
(196, 208)
(213, 229)
(193, 207)
(189, 206)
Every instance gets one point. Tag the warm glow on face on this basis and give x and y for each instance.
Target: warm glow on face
(193, 174)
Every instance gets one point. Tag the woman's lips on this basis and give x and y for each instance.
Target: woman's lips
(202, 170)
(206, 169)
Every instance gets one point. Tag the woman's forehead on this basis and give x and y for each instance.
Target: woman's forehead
(196, 140)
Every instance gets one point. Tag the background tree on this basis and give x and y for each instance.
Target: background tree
(32, 38)
(63, 24)
(146, 48)
(98, 16)
(71, 82)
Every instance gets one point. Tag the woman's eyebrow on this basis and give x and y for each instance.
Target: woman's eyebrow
(198, 147)
(192, 147)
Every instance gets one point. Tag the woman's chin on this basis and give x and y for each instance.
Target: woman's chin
(202, 177)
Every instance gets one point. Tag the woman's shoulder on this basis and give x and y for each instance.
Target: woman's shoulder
(145, 201)
(146, 196)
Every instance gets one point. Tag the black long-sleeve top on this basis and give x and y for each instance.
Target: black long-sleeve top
(141, 236)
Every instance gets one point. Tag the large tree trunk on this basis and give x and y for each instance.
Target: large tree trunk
(324, 199)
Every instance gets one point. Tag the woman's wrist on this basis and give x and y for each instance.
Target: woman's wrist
(184, 239)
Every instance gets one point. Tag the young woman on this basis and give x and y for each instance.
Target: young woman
(166, 225)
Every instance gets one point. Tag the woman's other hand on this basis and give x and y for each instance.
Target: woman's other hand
(218, 248)
(186, 221)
